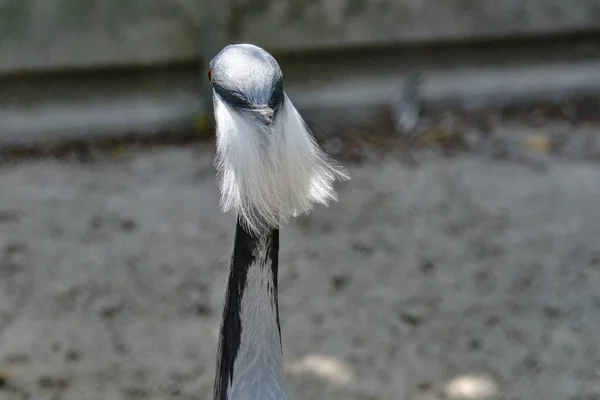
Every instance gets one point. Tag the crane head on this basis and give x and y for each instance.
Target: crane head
(269, 164)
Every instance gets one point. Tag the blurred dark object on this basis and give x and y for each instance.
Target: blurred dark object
(406, 107)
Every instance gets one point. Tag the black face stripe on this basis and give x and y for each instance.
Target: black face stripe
(244, 256)
(239, 101)
(232, 97)
(276, 98)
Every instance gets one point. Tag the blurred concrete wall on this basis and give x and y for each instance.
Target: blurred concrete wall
(54, 37)
(56, 34)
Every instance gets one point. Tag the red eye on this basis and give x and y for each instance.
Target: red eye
(210, 75)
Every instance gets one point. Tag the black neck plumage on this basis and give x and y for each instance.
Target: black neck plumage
(251, 250)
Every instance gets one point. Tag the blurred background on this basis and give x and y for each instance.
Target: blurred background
(461, 262)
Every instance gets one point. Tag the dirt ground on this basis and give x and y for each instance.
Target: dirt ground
(466, 277)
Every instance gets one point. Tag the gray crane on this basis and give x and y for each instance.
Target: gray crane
(269, 168)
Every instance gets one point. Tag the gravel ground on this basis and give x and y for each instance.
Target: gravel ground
(464, 277)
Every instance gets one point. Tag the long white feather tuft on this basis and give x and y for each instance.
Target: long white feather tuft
(269, 173)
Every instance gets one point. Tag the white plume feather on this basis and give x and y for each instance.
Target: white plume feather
(268, 173)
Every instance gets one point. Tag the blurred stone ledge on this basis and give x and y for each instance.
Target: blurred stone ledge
(345, 88)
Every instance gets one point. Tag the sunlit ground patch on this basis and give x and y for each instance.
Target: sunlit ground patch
(322, 366)
(471, 387)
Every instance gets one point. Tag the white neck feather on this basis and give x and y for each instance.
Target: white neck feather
(269, 173)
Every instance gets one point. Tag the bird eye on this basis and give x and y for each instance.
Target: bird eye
(210, 75)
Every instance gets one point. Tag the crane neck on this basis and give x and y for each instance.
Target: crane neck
(250, 359)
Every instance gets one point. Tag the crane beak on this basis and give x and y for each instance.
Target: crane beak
(264, 114)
